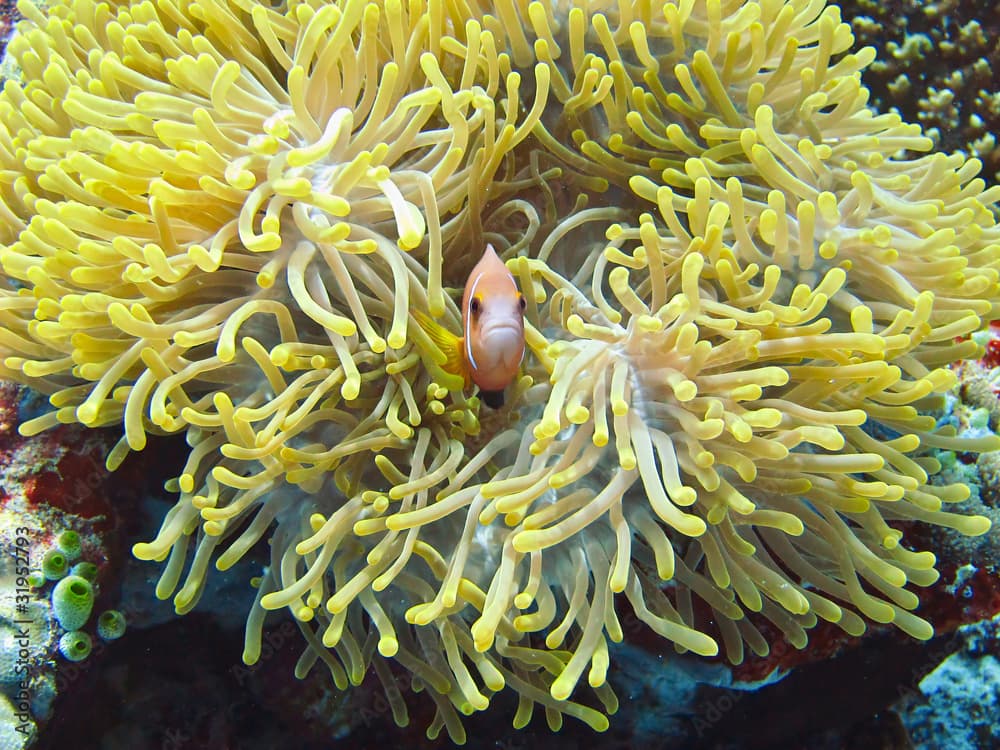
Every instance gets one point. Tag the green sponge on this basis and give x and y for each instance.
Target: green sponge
(75, 645)
(36, 579)
(72, 602)
(85, 570)
(111, 625)
(54, 564)
(69, 542)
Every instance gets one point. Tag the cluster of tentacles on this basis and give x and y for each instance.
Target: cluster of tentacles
(217, 217)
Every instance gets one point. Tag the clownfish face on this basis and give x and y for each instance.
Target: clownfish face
(493, 318)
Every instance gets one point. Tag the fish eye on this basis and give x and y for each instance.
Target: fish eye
(522, 302)
(475, 305)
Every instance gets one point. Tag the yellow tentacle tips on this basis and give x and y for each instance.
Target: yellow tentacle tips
(239, 221)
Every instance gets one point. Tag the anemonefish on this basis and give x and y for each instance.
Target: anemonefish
(492, 347)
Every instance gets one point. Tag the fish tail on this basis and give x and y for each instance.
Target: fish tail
(448, 343)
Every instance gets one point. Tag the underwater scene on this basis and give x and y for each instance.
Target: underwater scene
(502, 373)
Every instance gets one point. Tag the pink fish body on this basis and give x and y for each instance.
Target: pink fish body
(491, 348)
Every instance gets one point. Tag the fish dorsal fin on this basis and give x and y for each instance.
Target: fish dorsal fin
(449, 344)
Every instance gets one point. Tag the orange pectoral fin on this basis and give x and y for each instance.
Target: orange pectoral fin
(448, 344)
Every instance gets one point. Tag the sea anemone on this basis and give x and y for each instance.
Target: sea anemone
(218, 216)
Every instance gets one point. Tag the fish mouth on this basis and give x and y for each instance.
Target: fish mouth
(503, 328)
(501, 345)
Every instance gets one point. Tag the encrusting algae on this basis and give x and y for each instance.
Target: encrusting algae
(219, 216)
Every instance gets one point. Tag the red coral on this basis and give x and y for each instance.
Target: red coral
(77, 482)
(977, 599)
(991, 358)
(9, 16)
(9, 395)
(826, 640)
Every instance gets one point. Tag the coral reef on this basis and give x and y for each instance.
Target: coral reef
(9, 16)
(41, 479)
(957, 699)
(935, 66)
(741, 305)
